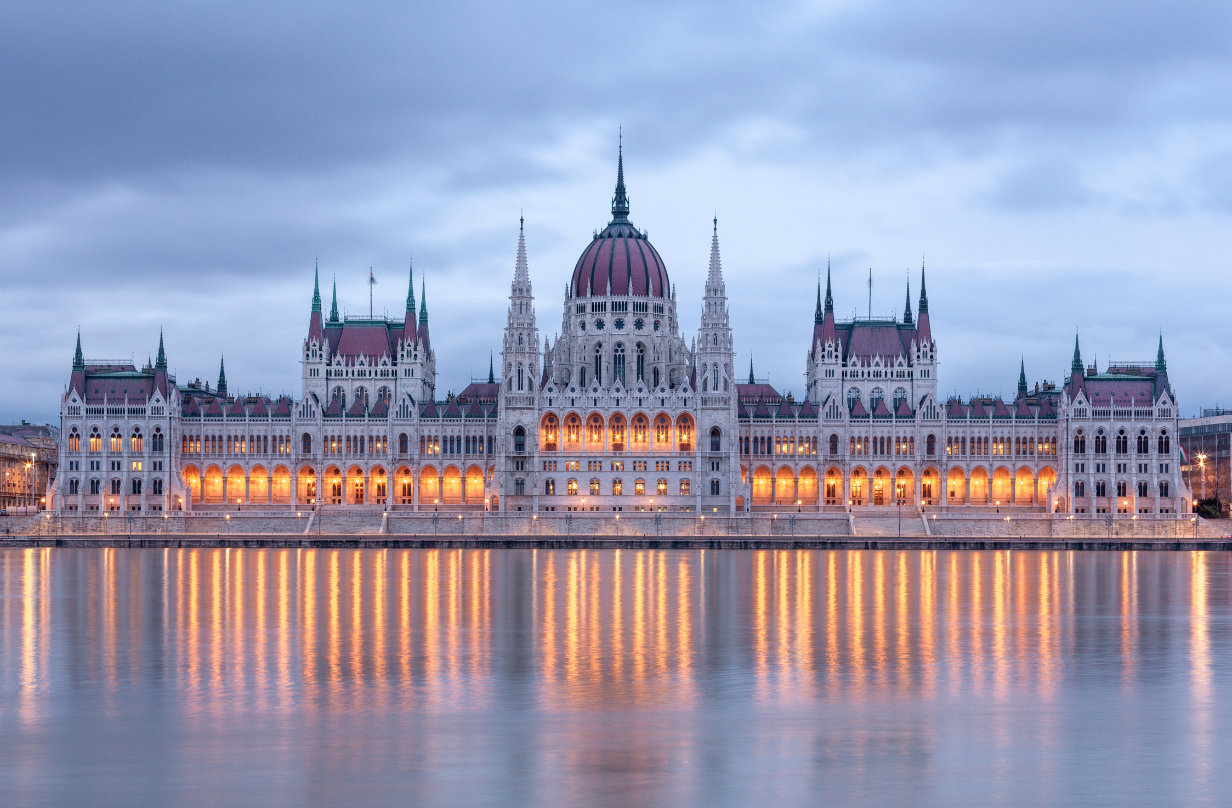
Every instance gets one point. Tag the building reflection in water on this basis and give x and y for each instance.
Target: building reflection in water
(629, 676)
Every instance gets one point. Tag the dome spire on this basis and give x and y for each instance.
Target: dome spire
(620, 201)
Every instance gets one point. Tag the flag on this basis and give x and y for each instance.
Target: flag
(1184, 456)
(371, 277)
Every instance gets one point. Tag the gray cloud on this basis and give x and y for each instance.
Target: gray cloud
(183, 165)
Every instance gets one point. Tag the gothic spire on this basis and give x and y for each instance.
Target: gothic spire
(1076, 365)
(1022, 378)
(79, 361)
(521, 269)
(161, 362)
(222, 377)
(620, 201)
(714, 280)
(316, 286)
(333, 307)
(423, 303)
(817, 313)
(751, 379)
(907, 308)
(923, 307)
(829, 297)
(1161, 365)
(491, 371)
(410, 290)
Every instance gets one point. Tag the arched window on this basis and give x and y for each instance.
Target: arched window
(931, 445)
(519, 486)
(582, 376)
(573, 429)
(571, 488)
(853, 396)
(520, 381)
(1143, 444)
(900, 395)
(662, 430)
(1163, 488)
(716, 439)
(307, 443)
(1163, 445)
(618, 364)
(549, 487)
(74, 441)
(661, 487)
(714, 488)
(402, 443)
(655, 377)
(95, 486)
(1101, 442)
(684, 487)
(1080, 445)
(551, 432)
(1080, 488)
(834, 444)
(594, 486)
(96, 440)
(519, 439)
(156, 440)
(874, 398)
(158, 485)
(117, 442)
(72, 486)
(598, 364)
(137, 485)
(639, 428)
(1122, 442)
(714, 378)
(641, 362)
(618, 487)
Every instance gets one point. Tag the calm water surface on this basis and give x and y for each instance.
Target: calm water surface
(508, 677)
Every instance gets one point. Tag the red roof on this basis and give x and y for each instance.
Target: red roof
(368, 340)
(615, 255)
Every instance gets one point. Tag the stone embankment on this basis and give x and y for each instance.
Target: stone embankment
(374, 528)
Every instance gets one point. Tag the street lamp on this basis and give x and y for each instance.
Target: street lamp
(1202, 470)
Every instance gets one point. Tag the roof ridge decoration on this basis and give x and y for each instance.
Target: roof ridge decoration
(620, 200)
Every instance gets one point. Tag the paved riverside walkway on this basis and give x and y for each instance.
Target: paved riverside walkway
(630, 542)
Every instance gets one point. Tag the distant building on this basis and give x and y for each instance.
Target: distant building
(1206, 465)
(29, 456)
(623, 412)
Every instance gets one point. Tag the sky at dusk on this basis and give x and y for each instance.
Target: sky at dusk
(1059, 167)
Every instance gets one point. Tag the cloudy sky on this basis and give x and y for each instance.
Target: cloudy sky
(1059, 166)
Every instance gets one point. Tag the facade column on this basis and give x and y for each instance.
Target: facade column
(294, 472)
(269, 487)
(224, 484)
(247, 486)
(967, 500)
(918, 484)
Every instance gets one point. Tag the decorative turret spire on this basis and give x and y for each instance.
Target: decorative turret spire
(1076, 365)
(316, 286)
(333, 307)
(1022, 378)
(521, 268)
(829, 297)
(818, 315)
(491, 370)
(161, 362)
(907, 308)
(79, 360)
(423, 303)
(1161, 365)
(620, 201)
(410, 291)
(751, 379)
(923, 307)
(222, 377)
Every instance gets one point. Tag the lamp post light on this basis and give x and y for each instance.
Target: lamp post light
(1202, 470)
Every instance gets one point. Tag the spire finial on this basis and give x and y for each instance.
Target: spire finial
(817, 313)
(1022, 377)
(161, 362)
(333, 307)
(222, 377)
(491, 370)
(620, 201)
(907, 308)
(1161, 365)
(751, 379)
(923, 307)
(410, 289)
(1076, 365)
(79, 360)
(423, 303)
(829, 297)
(316, 284)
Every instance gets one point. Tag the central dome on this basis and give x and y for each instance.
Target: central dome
(620, 260)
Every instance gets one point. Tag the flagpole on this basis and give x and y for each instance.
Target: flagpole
(371, 280)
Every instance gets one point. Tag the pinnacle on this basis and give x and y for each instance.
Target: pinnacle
(620, 200)
(410, 290)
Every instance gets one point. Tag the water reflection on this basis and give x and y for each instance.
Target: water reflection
(611, 677)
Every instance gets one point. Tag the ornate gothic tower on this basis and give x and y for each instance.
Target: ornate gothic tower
(416, 360)
(519, 388)
(825, 357)
(715, 361)
(313, 359)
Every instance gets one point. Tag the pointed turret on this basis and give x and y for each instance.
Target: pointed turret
(161, 362)
(620, 200)
(751, 379)
(1076, 365)
(333, 306)
(491, 370)
(923, 329)
(1161, 365)
(316, 286)
(314, 318)
(1022, 378)
(222, 377)
(409, 320)
(79, 360)
(823, 318)
(907, 307)
(817, 311)
(423, 303)
(521, 269)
